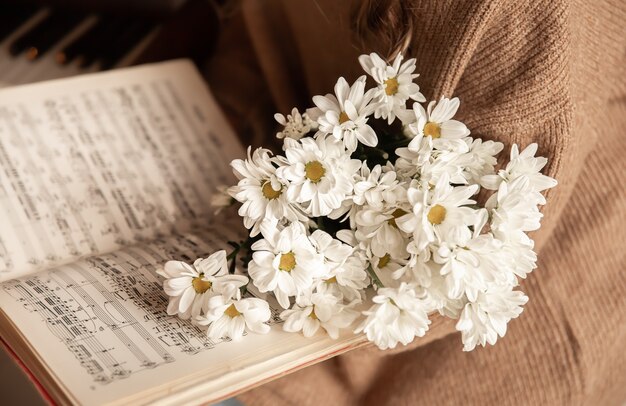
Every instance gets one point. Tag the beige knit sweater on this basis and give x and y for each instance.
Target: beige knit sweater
(545, 71)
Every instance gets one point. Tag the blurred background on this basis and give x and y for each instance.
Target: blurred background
(48, 39)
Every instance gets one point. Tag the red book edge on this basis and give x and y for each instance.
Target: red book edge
(42, 391)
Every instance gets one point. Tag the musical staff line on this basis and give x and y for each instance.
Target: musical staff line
(110, 311)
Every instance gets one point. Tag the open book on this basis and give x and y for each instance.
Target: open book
(103, 178)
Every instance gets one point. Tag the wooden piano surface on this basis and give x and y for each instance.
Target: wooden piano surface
(42, 42)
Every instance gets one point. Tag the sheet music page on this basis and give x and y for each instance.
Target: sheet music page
(101, 325)
(97, 162)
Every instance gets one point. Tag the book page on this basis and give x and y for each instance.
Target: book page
(101, 161)
(101, 326)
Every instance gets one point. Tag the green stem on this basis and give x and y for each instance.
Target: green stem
(236, 248)
(233, 254)
(231, 268)
(233, 258)
(374, 277)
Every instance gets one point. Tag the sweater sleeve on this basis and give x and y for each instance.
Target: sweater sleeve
(515, 83)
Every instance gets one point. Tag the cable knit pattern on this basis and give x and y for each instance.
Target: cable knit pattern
(545, 71)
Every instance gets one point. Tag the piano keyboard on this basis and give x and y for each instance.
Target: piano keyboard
(42, 43)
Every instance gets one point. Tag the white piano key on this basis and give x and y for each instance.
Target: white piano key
(10, 67)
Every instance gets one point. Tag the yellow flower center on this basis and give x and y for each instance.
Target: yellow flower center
(384, 261)
(391, 86)
(269, 192)
(232, 311)
(332, 280)
(343, 117)
(287, 262)
(437, 214)
(200, 285)
(396, 214)
(432, 130)
(314, 171)
(313, 315)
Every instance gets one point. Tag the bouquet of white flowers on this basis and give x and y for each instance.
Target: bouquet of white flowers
(372, 206)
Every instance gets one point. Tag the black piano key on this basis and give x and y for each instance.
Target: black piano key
(50, 39)
(86, 40)
(107, 36)
(131, 37)
(46, 33)
(13, 16)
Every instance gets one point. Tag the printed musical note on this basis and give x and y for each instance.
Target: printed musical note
(84, 169)
(110, 311)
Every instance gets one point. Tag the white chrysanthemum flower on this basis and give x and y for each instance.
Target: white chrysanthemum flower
(417, 269)
(319, 310)
(395, 84)
(513, 210)
(229, 317)
(481, 159)
(345, 114)
(378, 186)
(385, 264)
(190, 287)
(296, 125)
(444, 163)
(380, 233)
(344, 271)
(397, 316)
(522, 164)
(284, 262)
(518, 257)
(472, 261)
(421, 161)
(387, 267)
(483, 320)
(437, 295)
(436, 122)
(334, 251)
(412, 158)
(347, 279)
(347, 236)
(320, 174)
(469, 267)
(261, 192)
(415, 234)
(438, 214)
